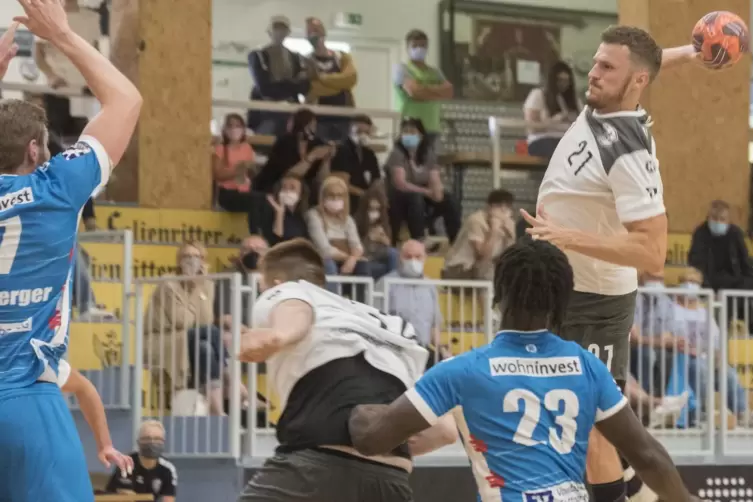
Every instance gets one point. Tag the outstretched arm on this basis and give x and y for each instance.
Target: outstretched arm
(289, 322)
(8, 49)
(377, 429)
(676, 56)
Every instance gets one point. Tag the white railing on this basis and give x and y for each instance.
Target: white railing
(497, 125)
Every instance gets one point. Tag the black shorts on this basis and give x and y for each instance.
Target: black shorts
(319, 476)
(601, 324)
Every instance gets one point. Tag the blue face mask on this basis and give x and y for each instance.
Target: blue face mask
(410, 140)
(718, 228)
(417, 53)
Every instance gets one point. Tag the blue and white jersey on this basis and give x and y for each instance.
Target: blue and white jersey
(39, 217)
(527, 403)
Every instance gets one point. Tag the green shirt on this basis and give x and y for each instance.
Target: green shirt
(427, 111)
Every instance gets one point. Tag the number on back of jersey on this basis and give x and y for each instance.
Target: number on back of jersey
(392, 323)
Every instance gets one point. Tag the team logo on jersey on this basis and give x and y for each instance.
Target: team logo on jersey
(608, 136)
(535, 367)
(156, 485)
(15, 327)
(77, 151)
(23, 196)
(563, 492)
(531, 348)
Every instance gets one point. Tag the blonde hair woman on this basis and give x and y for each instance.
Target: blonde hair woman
(334, 232)
(180, 342)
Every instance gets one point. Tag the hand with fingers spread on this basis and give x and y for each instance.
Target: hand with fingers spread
(45, 18)
(8, 49)
(546, 230)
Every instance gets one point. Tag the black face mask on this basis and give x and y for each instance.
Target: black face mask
(250, 260)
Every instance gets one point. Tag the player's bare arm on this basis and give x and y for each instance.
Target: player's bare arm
(677, 56)
(643, 247)
(289, 323)
(94, 414)
(441, 434)
(645, 454)
(8, 49)
(377, 429)
(120, 100)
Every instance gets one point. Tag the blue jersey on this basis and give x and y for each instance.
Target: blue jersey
(524, 405)
(39, 217)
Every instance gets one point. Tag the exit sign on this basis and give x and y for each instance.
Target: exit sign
(348, 20)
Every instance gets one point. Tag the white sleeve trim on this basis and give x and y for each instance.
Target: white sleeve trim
(64, 373)
(604, 414)
(421, 406)
(105, 164)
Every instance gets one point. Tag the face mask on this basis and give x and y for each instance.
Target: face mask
(314, 40)
(413, 268)
(334, 205)
(288, 199)
(236, 133)
(417, 53)
(374, 216)
(653, 285)
(359, 138)
(718, 228)
(151, 450)
(410, 140)
(191, 265)
(278, 36)
(692, 286)
(250, 260)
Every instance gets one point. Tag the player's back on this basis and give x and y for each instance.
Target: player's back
(528, 403)
(39, 215)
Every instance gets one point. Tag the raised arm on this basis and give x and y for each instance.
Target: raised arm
(286, 323)
(676, 56)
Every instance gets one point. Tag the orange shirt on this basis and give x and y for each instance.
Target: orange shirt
(241, 152)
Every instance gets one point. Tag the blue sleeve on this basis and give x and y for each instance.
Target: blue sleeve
(436, 392)
(78, 172)
(609, 397)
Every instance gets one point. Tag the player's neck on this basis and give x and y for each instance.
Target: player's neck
(147, 463)
(627, 105)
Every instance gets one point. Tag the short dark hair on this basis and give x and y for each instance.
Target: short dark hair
(416, 36)
(643, 48)
(294, 260)
(499, 197)
(20, 123)
(361, 119)
(535, 280)
(719, 205)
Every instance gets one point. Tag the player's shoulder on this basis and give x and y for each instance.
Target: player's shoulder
(167, 465)
(620, 134)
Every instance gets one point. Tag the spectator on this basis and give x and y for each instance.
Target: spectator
(333, 77)
(416, 193)
(334, 232)
(356, 160)
(283, 217)
(373, 225)
(419, 88)
(68, 116)
(483, 237)
(300, 153)
(152, 473)
(550, 110)
(279, 75)
(180, 339)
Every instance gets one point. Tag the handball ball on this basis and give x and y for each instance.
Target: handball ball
(721, 38)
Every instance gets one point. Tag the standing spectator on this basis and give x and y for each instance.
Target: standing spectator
(420, 87)
(373, 224)
(483, 238)
(283, 217)
(68, 116)
(300, 153)
(333, 77)
(357, 160)
(279, 75)
(152, 473)
(334, 232)
(416, 193)
(550, 110)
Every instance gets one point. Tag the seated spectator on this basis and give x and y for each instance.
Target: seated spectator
(373, 225)
(652, 409)
(283, 218)
(152, 473)
(334, 232)
(482, 239)
(333, 77)
(279, 75)
(179, 337)
(653, 312)
(416, 193)
(356, 160)
(550, 110)
(300, 153)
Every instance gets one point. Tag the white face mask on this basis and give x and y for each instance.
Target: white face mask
(191, 265)
(653, 285)
(692, 286)
(334, 205)
(374, 216)
(288, 199)
(413, 268)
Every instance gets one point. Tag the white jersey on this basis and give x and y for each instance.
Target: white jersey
(603, 174)
(342, 328)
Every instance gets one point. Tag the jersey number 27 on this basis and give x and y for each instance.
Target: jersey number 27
(562, 443)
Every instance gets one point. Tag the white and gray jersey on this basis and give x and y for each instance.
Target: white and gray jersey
(603, 174)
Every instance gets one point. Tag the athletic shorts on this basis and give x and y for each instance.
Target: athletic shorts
(41, 457)
(317, 476)
(601, 324)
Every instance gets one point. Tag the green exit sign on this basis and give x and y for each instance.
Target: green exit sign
(348, 20)
(354, 19)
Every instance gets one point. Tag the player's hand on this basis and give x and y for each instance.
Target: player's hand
(8, 49)
(544, 229)
(109, 456)
(258, 345)
(45, 18)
